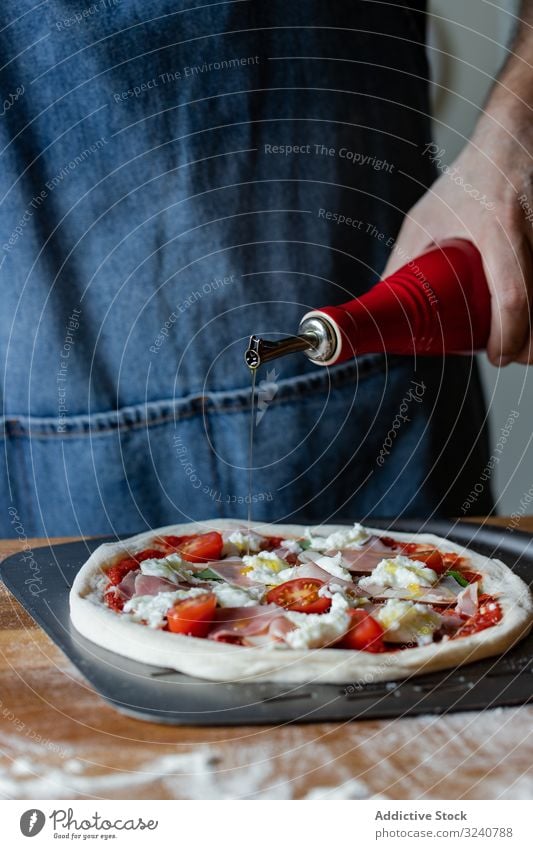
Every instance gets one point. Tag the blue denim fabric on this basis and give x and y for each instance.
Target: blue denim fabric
(153, 217)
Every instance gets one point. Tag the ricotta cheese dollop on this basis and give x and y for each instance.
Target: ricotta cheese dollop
(232, 596)
(355, 537)
(264, 567)
(238, 542)
(408, 622)
(401, 573)
(171, 567)
(314, 630)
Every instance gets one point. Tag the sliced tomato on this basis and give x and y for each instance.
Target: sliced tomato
(489, 613)
(174, 542)
(202, 548)
(300, 595)
(453, 561)
(430, 556)
(364, 634)
(192, 616)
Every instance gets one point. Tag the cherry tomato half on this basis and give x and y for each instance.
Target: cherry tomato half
(364, 634)
(192, 616)
(430, 556)
(300, 595)
(174, 542)
(202, 548)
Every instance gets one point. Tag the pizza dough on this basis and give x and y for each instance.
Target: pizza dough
(218, 661)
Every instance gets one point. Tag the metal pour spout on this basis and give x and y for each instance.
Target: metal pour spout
(316, 338)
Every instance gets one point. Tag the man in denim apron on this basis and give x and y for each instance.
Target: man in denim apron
(174, 179)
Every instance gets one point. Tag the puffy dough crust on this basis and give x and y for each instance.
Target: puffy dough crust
(224, 662)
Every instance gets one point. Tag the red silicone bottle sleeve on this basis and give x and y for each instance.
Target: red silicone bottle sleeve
(436, 304)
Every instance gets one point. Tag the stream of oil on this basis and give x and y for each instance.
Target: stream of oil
(251, 454)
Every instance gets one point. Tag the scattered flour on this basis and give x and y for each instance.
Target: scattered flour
(352, 789)
(482, 757)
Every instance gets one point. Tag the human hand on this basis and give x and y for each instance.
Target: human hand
(485, 196)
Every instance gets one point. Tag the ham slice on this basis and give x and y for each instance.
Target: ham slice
(153, 584)
(363, 560)
(366, 558)
(451, 623)
(446, 591)
(245, 622)
(288, 556)
(230, 570)
(126, 588)
(467, 601)
(310, 569)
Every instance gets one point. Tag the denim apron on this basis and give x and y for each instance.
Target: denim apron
(175, 177)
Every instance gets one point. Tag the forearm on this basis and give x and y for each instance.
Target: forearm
(509, 107)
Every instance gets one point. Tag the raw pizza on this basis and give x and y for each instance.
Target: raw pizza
(286, 603)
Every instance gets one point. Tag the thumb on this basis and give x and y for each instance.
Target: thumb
(508, 265)
(412, 240)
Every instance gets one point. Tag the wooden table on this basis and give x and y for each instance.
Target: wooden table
(58, 739)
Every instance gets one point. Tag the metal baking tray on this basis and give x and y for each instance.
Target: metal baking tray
(159, 695)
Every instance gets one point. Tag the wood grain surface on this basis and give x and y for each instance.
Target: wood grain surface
(58, 739)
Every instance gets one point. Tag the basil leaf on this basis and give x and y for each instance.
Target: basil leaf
(207, 575)
(458, 577)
